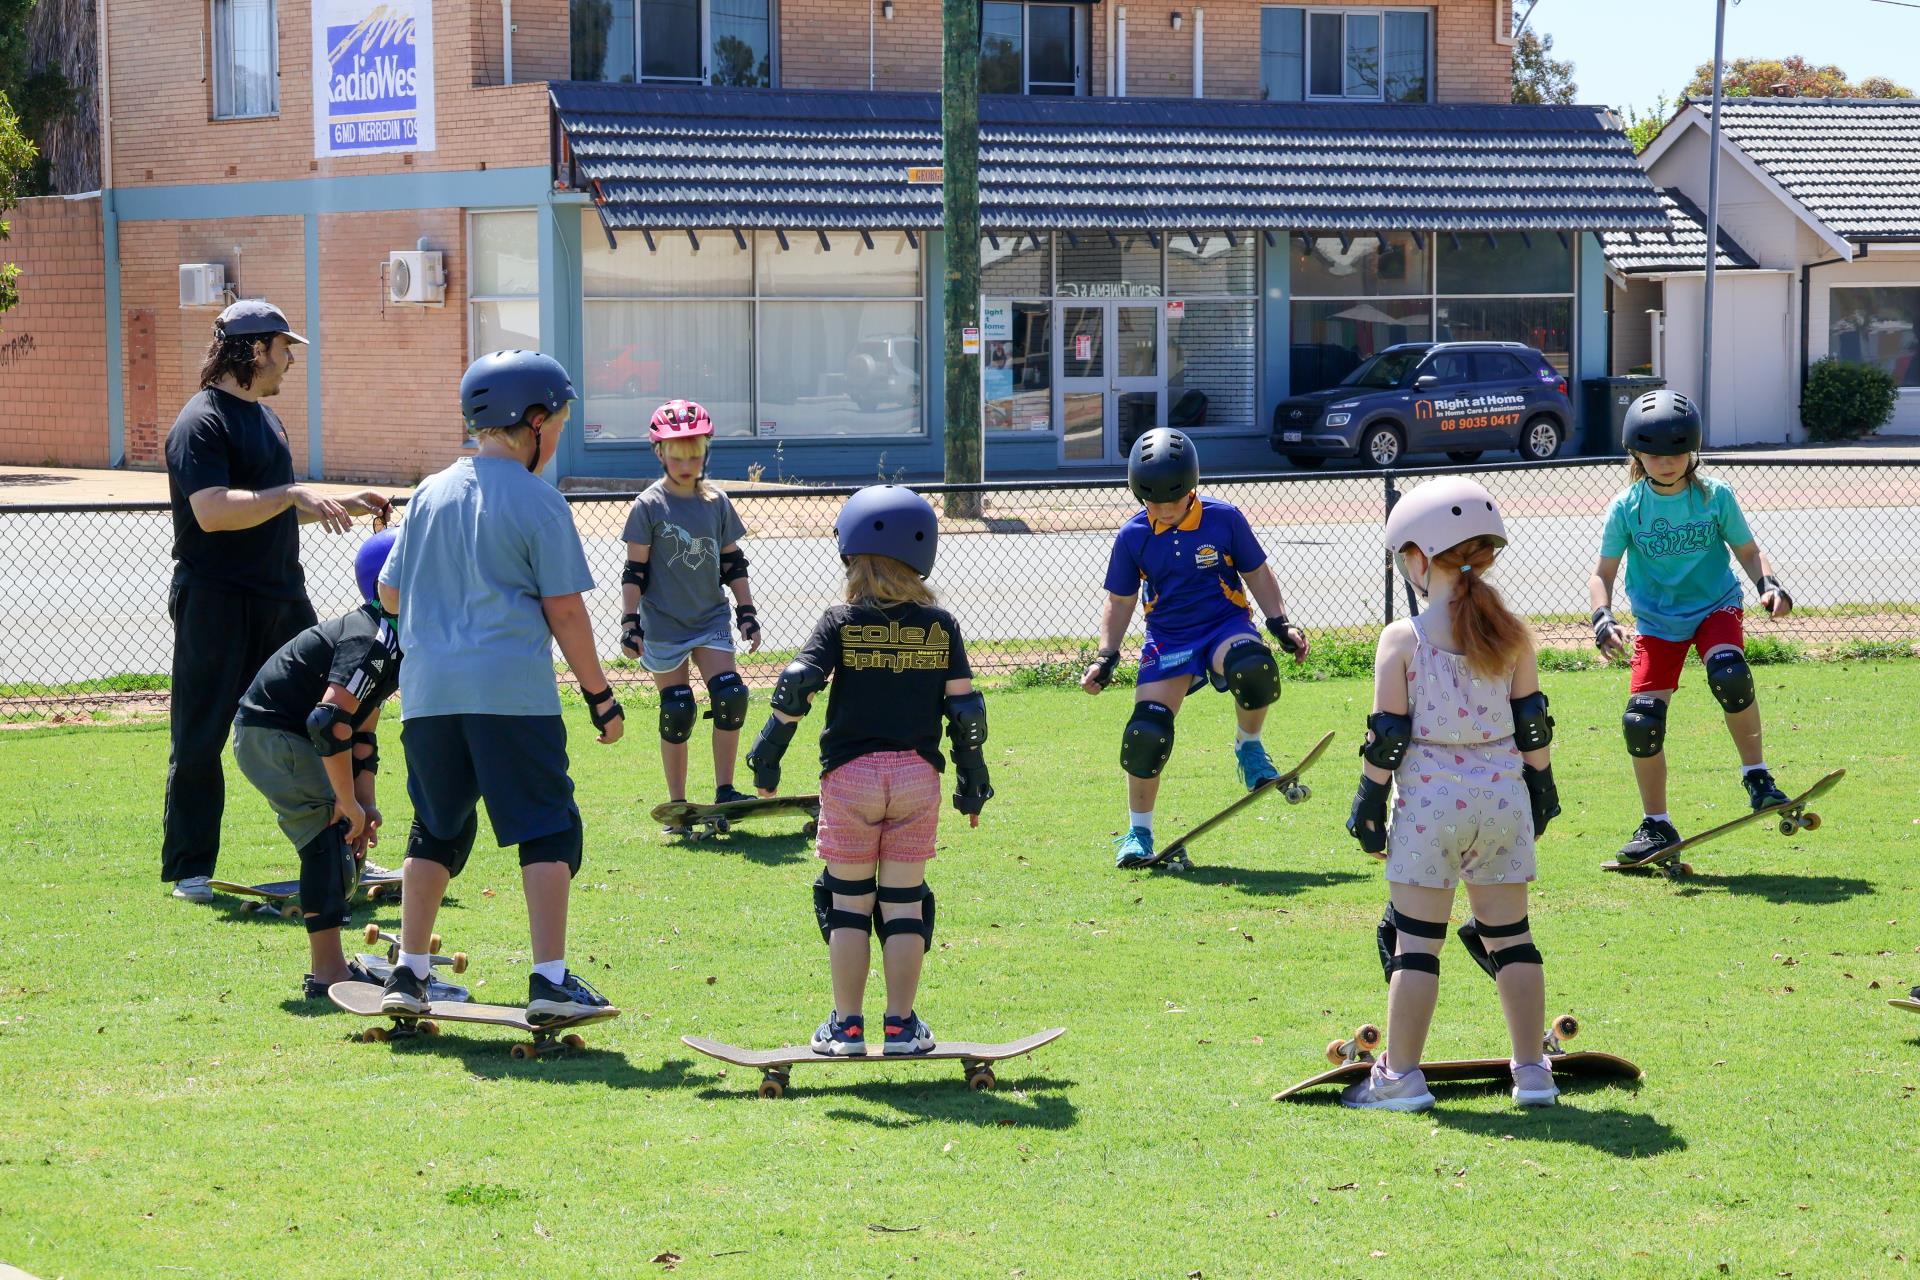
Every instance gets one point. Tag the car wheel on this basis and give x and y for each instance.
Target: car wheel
(1382, 445)
(1465, 455)
(1540, 439)
(1305, 461)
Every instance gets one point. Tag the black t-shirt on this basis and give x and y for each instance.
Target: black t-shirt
(889, 669)
(222, 441)
(359, 651)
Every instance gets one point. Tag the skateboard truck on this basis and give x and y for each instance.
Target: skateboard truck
(374, 935)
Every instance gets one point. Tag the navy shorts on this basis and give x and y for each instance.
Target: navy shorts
(517, 764)
(1161, 659)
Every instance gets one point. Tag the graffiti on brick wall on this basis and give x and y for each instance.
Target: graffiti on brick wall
(15, 348)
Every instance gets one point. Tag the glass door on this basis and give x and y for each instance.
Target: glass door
(1140, 380)
(1083, 381)
(1112, 378)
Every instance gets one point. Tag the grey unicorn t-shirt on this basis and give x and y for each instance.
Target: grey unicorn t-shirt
(684, 601)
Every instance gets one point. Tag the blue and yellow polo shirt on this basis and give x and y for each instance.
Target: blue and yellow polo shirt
(1188, 574)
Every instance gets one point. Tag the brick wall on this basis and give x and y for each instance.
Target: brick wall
(264, 257)
(50, 374)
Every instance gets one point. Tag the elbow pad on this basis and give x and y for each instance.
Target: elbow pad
(800, 681)
(1391, 734)
(733, 564)
(320, 723)
(1532, 726)
(369, 763)
(967, 729)
(638, 573)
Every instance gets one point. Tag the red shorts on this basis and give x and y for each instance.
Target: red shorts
(1657, 662)
(882, 806)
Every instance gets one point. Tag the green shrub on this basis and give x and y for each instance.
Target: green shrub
(1845, 401)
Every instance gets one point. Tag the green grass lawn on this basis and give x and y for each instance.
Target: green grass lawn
(169, 1107)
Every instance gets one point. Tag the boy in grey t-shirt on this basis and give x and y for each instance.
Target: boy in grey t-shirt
(683, 543)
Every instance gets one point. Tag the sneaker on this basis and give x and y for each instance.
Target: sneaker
(1255, 765)
(1761, 791)
(194, 889)
(840, 1037)
(371, 870)
(1377, 1093)
(907, 1035)
(406, 992)
(1533, 1085)
(729, 794)
(1134, 848)
(676, 829)
(314, 989)
(553, 1002)
(1649, 838)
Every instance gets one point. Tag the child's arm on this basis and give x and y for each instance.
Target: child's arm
(633, 585)
(567, 619)
(1389, 729)
(793, 693)
(1115, 614)
(1265, 590)
(330, 729)
(1773, 597)
(733, 576)
(366, 763)
(1609, 636)
(967, 732)
(1532, 725)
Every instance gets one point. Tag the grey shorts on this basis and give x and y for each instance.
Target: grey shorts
(286, 769)
(661, 658)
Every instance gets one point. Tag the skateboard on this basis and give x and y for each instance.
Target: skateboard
(1906, 1002)
(776, 1065)
(1353, 1059)
(1174, 856)
(714, 819)
(282, 897)
(379, 969)
(374, 934)
(1792, 816)
(363, 998)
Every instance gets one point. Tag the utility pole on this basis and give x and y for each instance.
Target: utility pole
(960, 225)
(1713, 216)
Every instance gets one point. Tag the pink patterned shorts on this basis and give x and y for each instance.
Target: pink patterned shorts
(883, 806)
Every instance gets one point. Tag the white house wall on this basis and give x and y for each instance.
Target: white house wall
(1886, 269)
(1754, 374)
(1632, 327)
(1753, 215)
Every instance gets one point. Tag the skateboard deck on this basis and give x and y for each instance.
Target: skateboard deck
(379, 968)
(1792, 816)
(1906, 1002)
(363, 998)
(1355, 1059)
(1174, 856)
(775, 1065)
(712, 819)
(282, 897)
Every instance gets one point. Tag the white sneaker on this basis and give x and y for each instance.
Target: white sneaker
(1533, 1085)
(371, 870)
(193, 889)
(1377, 1093)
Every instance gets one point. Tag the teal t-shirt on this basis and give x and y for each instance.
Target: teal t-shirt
(482, 543)
(1678, 567)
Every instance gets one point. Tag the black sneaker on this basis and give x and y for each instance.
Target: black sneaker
(314, 989)
(729, 794)
(557, 1001)
(406, 992)
(1761, 790)
(1649, 838)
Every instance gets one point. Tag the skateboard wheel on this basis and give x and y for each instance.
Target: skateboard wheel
(1336, 1052)
(290, 911)
(433, 944)
(574, 1041)
(374, 1035)
(1811, 822)
(459, 962)
(772, 1088)
(980, 1081)
(427, 1027)
(372, 934)
(1299, 794)
(810, 829)
(1566, 1026)
(521, 1052)
(1788, 826)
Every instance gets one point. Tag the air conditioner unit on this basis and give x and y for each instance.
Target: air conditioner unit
(203, 284)
(416, 275)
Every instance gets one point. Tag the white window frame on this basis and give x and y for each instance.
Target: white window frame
(1306, 50)
(473, 261)
(1900, 392)
(223, 71)
(1082, 43)
(705, 77)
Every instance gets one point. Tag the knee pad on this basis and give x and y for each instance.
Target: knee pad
(728, 693)
(922, 924)
(1471, 933)
(1148, 740)
(678, 712)
(831, 917)
(1251, 674)
(1645, 725)
(560, 846)
(1387, 935)
(1731, 680)
(328, 876)
(450, 853)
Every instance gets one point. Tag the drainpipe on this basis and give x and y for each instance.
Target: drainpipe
(1199, 41)
(110, 259)
(869, 46)
(506, 39)
(1120, 51)
(1806, 306)
(1112, 51)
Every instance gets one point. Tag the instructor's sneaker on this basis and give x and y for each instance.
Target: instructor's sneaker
(194, 889)
(1533, 1085)
(405, 992)
(1649, 838)
(1377, 1093)
(1134, 849)
(729, 794)
(314, 989)
(1256, 766)
(555, 1001)
(907, 1035)
(840, 1037)
(371, 870)
(1761, 790)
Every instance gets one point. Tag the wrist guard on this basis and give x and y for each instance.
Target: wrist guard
(603, 707)
(746, 620)
(1279, 626)
(1104, 663)
(768, 748)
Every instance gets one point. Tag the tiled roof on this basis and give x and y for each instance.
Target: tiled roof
(1679, 246)
(1853, 162)
(660, 157)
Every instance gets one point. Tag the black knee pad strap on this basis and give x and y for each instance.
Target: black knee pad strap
(1418, 961)
(1471, 933)
(1148, 740)
(678, 712)
(1251, 674)
(450, 853)
(1731, 680)
(1645, 725)
(1387, 937)
(560, 846)
(728, 693)
(1525, 953)
(922, 924)
(328, 876)
(830, 917)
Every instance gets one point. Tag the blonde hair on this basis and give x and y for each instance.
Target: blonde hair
(517, 436)
(1636, 471)
(1492, 636)
(688, 447)
(882, 580)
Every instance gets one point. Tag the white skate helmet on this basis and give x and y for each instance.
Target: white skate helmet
(1444, 512)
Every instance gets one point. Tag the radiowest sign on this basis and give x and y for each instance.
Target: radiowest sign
(372, 76)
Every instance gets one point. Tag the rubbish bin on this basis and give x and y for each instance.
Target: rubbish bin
(1605, 411)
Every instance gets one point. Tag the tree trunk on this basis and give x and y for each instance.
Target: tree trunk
(960, 154)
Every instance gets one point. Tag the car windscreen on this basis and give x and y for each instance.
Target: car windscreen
(1387, 370)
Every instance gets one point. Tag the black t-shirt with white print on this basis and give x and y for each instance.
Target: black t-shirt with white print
(889, 669)
(359, 651)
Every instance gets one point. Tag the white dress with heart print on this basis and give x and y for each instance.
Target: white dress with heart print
(1460, 808)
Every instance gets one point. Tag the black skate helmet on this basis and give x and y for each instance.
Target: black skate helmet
(1663, 423)
(1163, 466)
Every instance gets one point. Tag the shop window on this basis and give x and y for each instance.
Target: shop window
(1877, 326)
(245, 60)
(1210, 262)
(1545, 324)
(1017, 374)
(1095, 265)
(1210, 350)
(1359, 267)
(503, 281)
(1363, 54)
(1332, 339)
(726, 43)
(1016, 266)
(1033, 48)
(1505, 263)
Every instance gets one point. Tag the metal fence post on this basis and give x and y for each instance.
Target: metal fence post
(1386, 568)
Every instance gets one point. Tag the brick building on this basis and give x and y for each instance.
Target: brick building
(1188, 212)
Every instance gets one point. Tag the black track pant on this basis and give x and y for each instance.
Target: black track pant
(221, 639)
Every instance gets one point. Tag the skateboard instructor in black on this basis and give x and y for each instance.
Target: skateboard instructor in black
(238, 591)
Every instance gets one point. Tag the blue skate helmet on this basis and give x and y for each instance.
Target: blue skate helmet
(889, 520)
(499, 388)
(369, 560)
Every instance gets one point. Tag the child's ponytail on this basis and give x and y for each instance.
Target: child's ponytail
(1492, 636)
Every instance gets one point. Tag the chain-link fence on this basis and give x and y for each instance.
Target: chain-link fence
(84, 620)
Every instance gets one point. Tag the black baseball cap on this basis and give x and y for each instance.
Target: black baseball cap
(252, 317)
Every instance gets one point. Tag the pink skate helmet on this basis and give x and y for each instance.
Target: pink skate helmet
(679, 420)
(1444, 512)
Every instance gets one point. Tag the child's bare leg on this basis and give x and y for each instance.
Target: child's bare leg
(903, 954)
(1523, 986)
(1744, 724)
(673, 755)
(849, 951)
(1170, 693)
(1650, 772)
(1412, 995)
(326, 960)
(726, 742)
(422, 883)
(547, 885)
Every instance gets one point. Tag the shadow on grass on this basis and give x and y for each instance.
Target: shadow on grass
(1268, 883)
(767, 850)
(490, 1058)
(1778, 888)
(1630, 1135)
(944, 1097)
